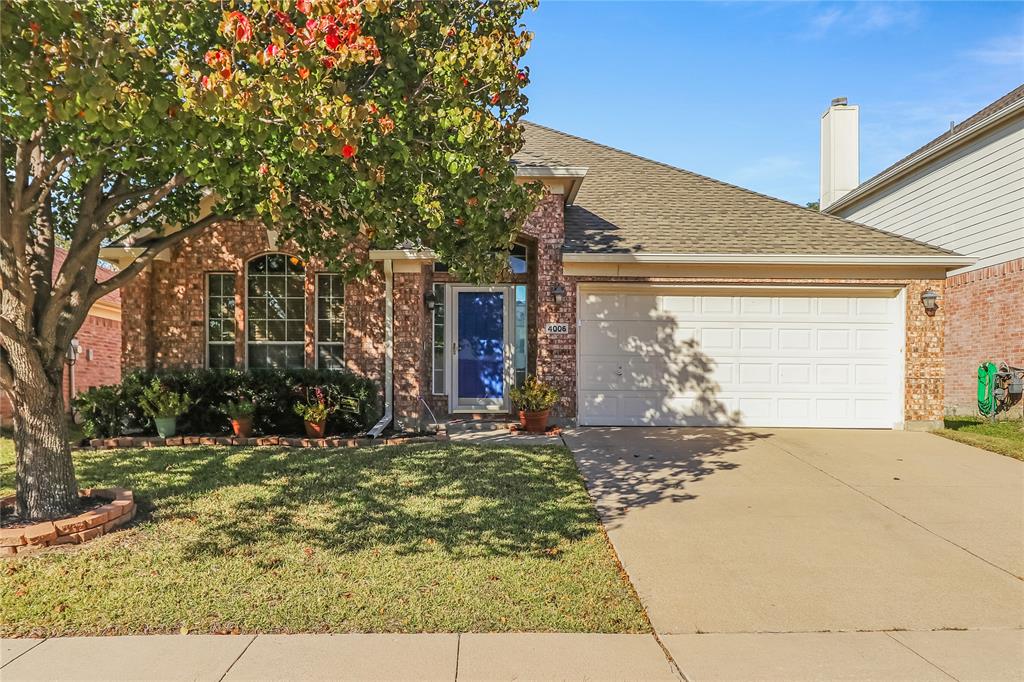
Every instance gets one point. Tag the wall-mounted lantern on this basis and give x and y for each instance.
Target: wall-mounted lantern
(430, 300)
(558, 293)
(930, 301)
(72, 353)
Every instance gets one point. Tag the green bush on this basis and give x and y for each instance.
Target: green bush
(115, 410)
(161, 403)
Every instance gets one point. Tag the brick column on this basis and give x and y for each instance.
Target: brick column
(555, 354)
(411, 341)
(136, 322)
(925, 362)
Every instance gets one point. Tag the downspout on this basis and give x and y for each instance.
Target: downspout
(389, 347)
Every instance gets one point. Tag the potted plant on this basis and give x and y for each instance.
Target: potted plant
(314, 413)
(240, 413)
(164, 406)
(534, 400)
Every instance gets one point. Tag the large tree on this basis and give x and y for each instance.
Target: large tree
(328, 119)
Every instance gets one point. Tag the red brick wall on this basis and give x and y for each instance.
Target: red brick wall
(99, 337)
(164, 314)
(164, 309)
(984, 322)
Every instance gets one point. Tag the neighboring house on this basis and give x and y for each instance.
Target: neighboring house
(645, 294)
(963, 191)
(98, 358)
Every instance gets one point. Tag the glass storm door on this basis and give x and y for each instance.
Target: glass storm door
(481, 376)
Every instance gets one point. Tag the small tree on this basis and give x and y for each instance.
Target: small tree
(331, 120)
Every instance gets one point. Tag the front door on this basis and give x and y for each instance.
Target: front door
(482, 357)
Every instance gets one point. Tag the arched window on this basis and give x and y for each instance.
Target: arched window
(275, 311)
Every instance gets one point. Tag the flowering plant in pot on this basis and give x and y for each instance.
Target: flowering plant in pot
(534, 400)
(240, 413)
(164, 406)
(314, 411)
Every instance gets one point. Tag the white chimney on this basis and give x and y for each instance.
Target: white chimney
(840, 151)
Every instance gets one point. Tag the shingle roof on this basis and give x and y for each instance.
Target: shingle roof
(1006, 100)
(629, 204)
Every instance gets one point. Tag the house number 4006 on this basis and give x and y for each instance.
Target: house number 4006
(556, 328)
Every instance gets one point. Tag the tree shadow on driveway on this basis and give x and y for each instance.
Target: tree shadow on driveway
(633, 467)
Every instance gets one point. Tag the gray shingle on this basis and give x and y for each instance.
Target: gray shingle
(628, 204)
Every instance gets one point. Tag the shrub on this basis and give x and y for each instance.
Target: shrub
(274, 392)
(159, 402)
(240, 409)
(102, 411)
(534, 395)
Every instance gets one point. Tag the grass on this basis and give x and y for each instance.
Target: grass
(1005, 437)
(428, 538)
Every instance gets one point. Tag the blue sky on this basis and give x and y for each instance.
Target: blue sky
(736, 90)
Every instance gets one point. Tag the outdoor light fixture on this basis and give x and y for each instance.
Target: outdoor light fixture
(72, 353)
(930, 301)
(430, 300)
(558, 293)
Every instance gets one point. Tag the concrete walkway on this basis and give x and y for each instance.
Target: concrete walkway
(806, 530)
(944, 655)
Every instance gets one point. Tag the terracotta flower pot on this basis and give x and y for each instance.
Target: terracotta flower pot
(536, 422)
(315, 429)
(522, 418)
(242, 426)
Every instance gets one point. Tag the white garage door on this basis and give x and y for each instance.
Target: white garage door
(825, 358)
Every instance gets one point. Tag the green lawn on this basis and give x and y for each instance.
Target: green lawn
(1004, 437)
(425, 538)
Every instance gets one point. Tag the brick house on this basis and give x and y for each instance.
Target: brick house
(98, 359)
(644, 293)
(963, 191)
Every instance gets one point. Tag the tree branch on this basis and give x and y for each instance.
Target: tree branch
(153, 249)
(142, 207)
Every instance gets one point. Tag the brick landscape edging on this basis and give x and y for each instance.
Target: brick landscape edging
(278, 441)
(73, 530)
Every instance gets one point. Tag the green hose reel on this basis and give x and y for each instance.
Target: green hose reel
(986, 388)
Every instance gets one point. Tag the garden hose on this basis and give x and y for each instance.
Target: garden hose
(986, 385)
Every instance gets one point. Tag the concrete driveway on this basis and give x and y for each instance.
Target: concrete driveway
(796, 530)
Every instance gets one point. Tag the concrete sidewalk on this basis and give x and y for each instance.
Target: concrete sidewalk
(935, 655)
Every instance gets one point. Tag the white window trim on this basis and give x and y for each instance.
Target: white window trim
(206, 318)
(316, 320)
(245, 311)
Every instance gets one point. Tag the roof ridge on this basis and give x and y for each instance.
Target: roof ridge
(783, 202)
(978, 117)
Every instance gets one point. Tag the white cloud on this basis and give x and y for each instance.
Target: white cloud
(863, 17)
(1000, 51)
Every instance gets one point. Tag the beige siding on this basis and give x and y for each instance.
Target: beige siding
(970, 200)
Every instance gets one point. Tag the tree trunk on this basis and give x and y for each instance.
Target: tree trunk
(45, 486)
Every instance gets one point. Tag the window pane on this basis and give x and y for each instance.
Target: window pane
(330, 315)
(221, 356)
(295, 309)
(276, 311)
(438, 328)
(275, 264)
(331, 356)
(295, 331)
(520, 354)
(220, 319)
(295, 356)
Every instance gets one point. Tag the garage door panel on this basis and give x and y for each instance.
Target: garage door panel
(749, 360)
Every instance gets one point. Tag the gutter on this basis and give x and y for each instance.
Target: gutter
(771, 259)
(879, 181)
(389, 351)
